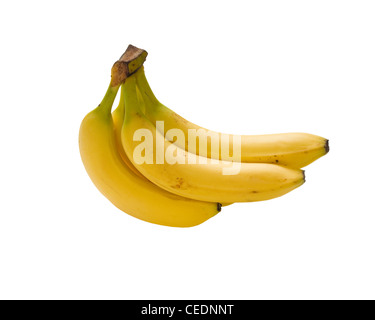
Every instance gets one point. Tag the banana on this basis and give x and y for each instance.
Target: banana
(295, 150)
(125, 189)
(204, 179)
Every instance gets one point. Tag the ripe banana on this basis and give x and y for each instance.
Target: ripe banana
(295, 150)
(203, 180)
(125, 189)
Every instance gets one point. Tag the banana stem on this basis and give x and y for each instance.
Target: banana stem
(146, 90)
(128, 91)
(109, 97)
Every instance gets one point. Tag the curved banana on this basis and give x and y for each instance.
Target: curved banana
(295, 150)
(122, 186)
(200, 181)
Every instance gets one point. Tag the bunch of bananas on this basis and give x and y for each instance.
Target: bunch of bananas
(190, 188)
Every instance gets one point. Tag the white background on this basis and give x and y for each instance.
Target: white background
(246, 67)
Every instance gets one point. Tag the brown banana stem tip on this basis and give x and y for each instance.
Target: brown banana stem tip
(327, 146)
(132, 59)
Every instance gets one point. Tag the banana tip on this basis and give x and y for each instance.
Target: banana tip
(304, 176)
(326, 146)
(219, 205)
